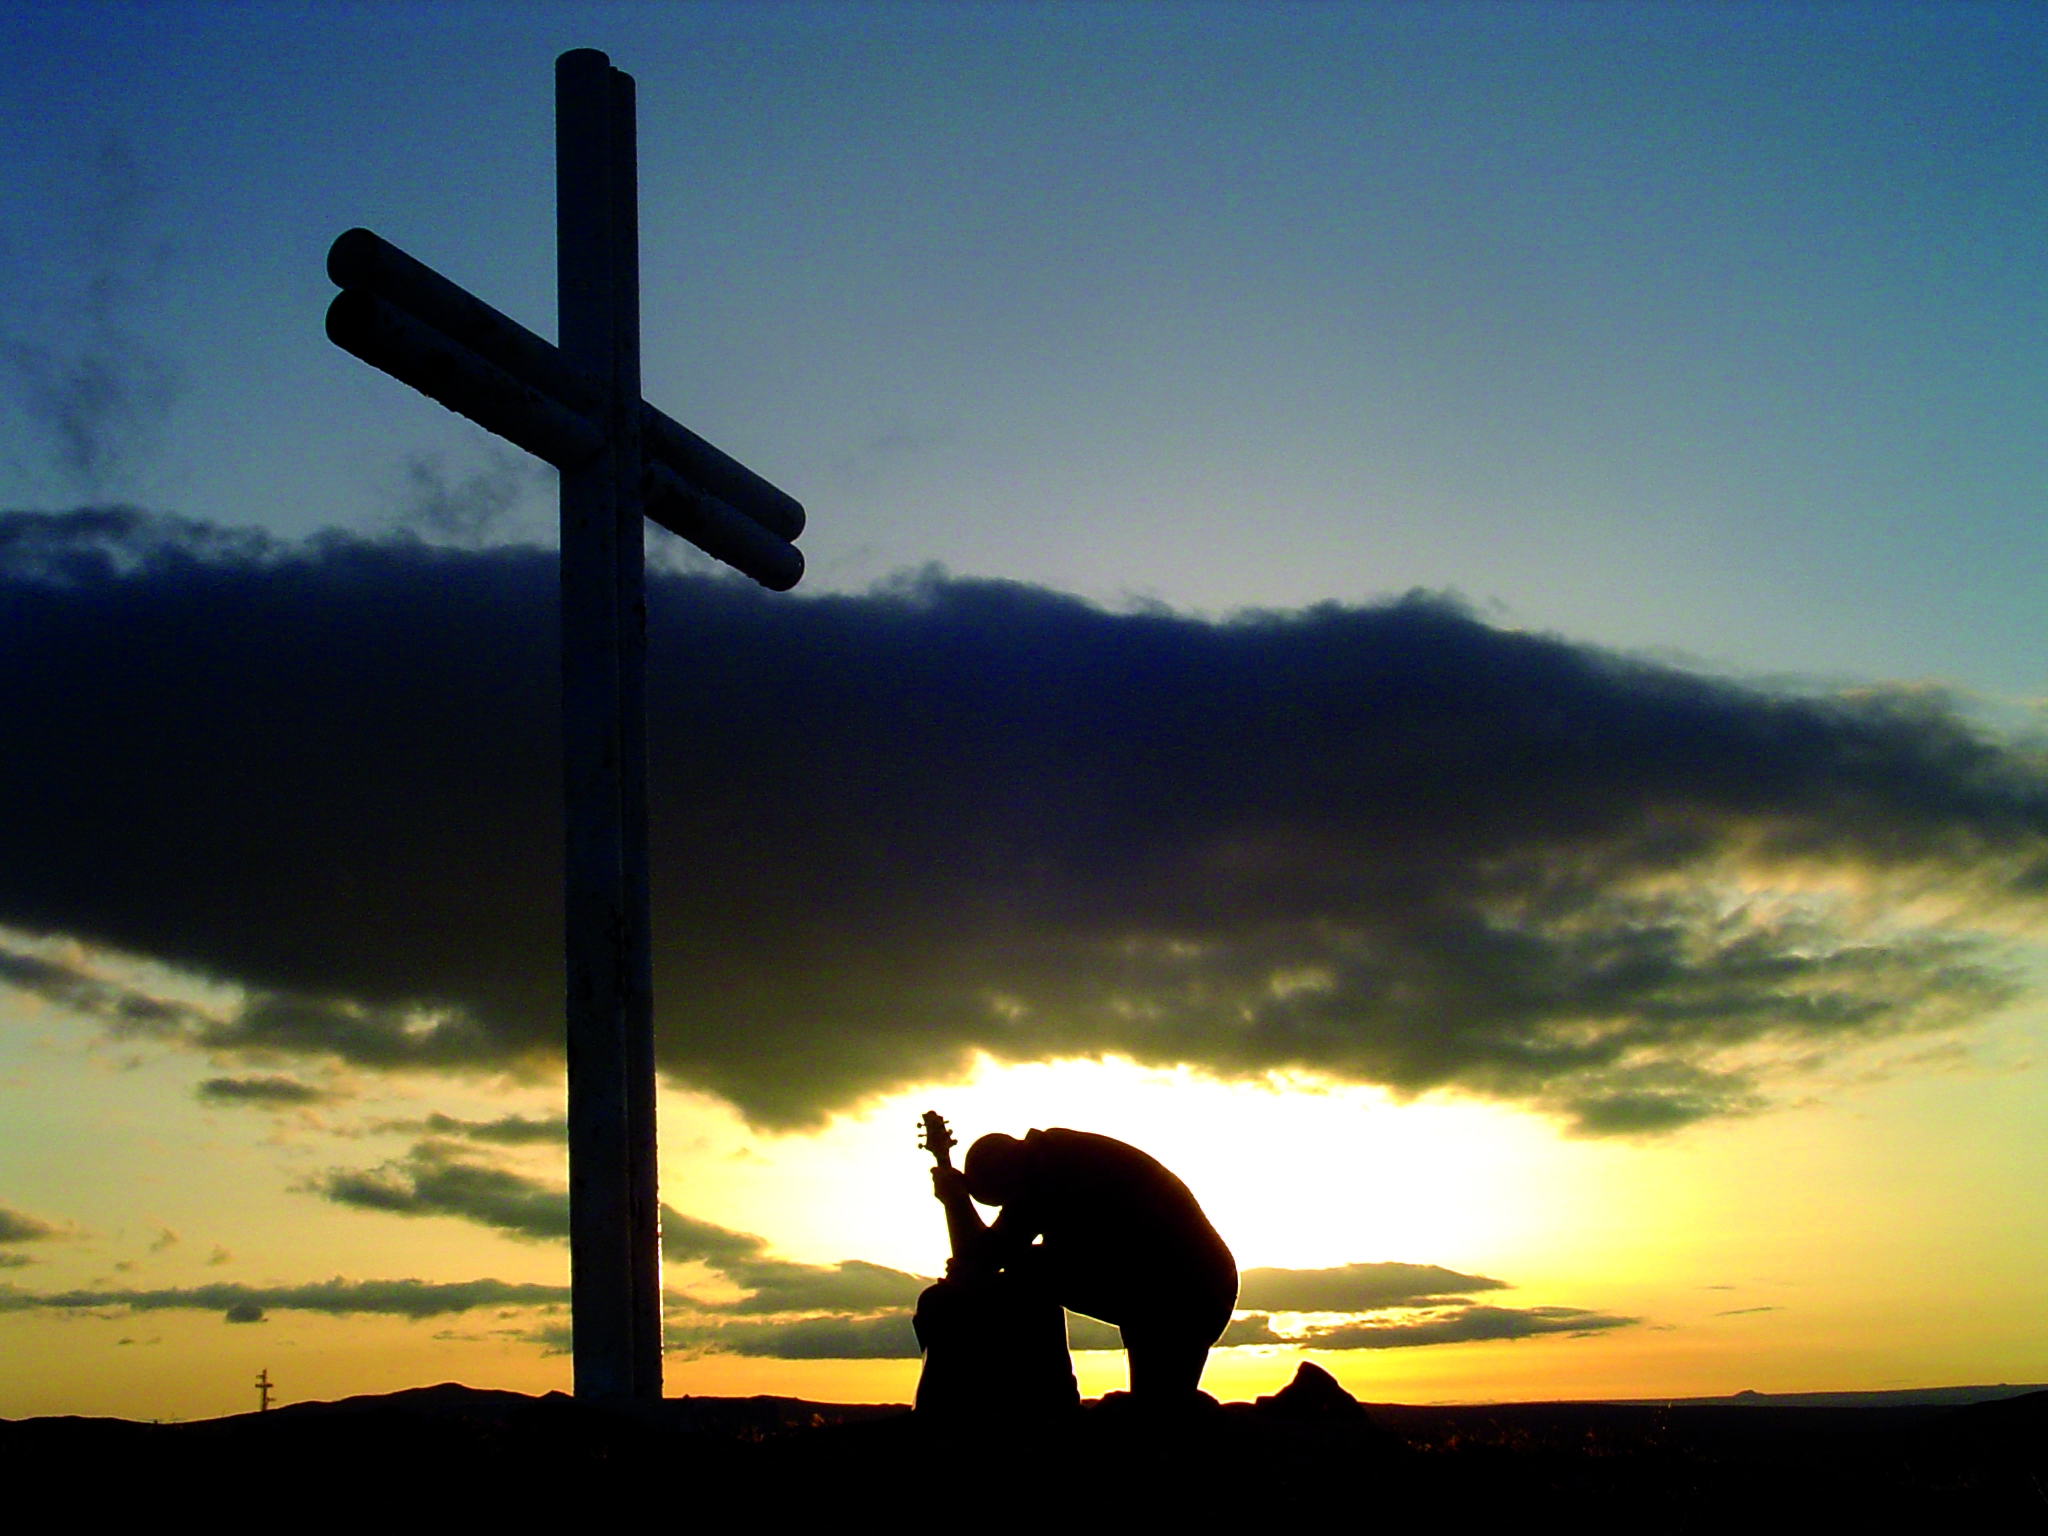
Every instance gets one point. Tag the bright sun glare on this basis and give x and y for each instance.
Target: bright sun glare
(1292, 1172)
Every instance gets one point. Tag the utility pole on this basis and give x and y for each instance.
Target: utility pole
(263, 1390)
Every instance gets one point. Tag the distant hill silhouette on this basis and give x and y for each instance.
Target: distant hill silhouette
(1903, 1397)
(1308, 1451)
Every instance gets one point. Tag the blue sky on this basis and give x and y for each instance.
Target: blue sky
(1708, 330)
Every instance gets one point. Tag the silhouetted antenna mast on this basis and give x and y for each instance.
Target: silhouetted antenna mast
(263, 1391)
(578, 406)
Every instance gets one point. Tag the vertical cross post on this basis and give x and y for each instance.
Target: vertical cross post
(614, 1232)
(578, 406)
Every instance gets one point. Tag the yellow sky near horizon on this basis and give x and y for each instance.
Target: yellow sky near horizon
(1883, 1232)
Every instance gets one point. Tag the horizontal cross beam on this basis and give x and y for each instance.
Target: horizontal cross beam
(465, 381)
(399, 315)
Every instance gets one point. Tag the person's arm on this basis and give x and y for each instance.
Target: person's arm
(978, 1247)
(965, 1229)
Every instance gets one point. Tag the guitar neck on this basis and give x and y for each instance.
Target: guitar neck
(963, 1223)
(964, 1232)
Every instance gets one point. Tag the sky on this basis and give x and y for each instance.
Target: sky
(1423, 611)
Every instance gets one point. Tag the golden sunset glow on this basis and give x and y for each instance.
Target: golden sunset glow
(1807, 1248)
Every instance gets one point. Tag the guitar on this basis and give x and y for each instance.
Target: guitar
(991, 1345)
(937, 1138)
(963, 1223)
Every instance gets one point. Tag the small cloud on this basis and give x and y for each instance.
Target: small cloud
(123, 1266)
(907, 438)
(557, 1338)
(1746, 1311)
(245, 1312)
(851, 1286)
(470, 509)
(219, 1256)
(270, 1092)
(435, 1179)
(1464, 1325)
(92, 384)
(880, 451)
(336, 1297)
(165, 1238)
(885, 1337)
(1657, 1111)
(21, 1227)
(1254, 1328)
(506, 1130)
(127, 1010)
(1356, 1287)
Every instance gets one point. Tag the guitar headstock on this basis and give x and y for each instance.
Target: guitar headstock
(936, 1138)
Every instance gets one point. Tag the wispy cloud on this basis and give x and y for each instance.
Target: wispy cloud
(22, 1227)
(265, 1092)
(761, 1305)
(858, 1310)
(1463, 1325)
(466, 509)
(86, 377)
(887, 1337)
(247, 1303)
(505, 1130)
(1354, 1287)
(435, 1179)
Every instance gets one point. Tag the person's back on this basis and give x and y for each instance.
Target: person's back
(1123, 1237)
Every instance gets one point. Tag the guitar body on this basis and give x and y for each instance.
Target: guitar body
(994, 1341)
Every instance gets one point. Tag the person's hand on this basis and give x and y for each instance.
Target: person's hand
(949, 1184)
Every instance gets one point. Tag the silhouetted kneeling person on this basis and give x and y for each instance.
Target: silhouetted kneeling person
(1121, 1239)
(994, 1339)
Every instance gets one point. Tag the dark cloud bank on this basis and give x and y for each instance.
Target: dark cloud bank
(1391, 845)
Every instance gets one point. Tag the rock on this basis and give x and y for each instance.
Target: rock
(1313, 1394)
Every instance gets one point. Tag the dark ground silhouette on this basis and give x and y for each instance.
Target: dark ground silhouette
(1308, 1452)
